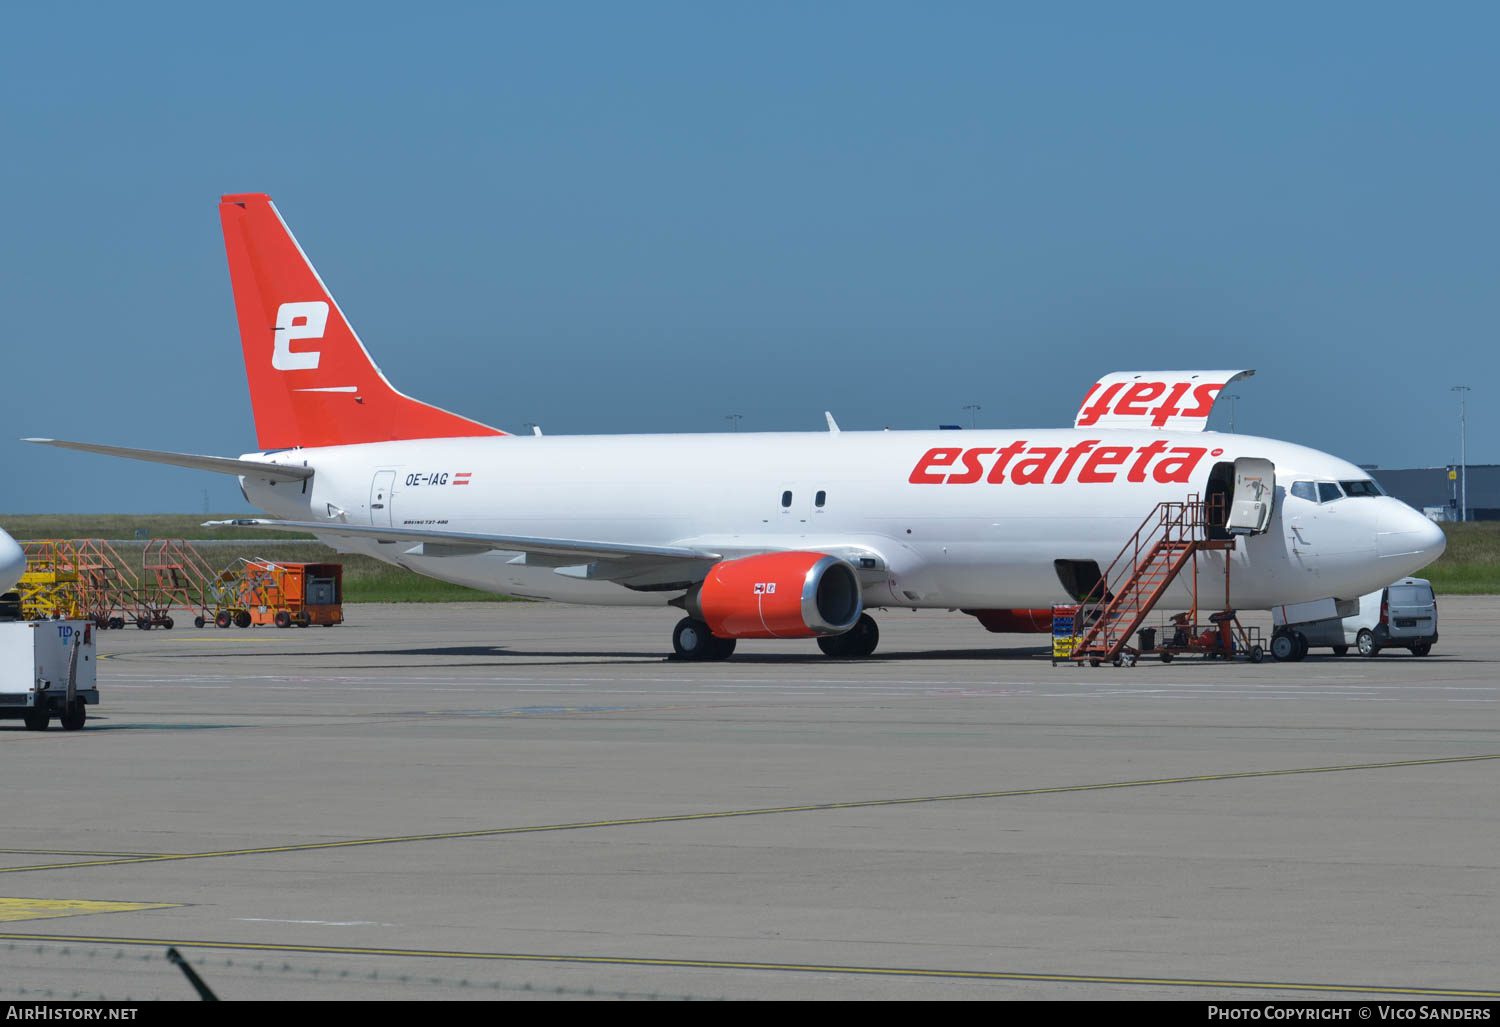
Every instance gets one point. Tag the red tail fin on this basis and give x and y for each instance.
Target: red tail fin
(311, 381)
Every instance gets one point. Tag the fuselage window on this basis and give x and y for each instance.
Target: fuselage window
(1305, 490)
(820, 499)
(786, 499)
(1328, 492)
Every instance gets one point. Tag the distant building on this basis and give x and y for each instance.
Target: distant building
(1431, 490)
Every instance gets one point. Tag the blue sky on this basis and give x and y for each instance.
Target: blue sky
(607, 217)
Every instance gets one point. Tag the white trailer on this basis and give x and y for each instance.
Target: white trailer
(48, 667)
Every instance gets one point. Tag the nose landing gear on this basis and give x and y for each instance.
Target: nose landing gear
(1288, 646)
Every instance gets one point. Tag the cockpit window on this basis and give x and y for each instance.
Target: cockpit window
(1305, 490)
(1365, 487)
(1328, 492)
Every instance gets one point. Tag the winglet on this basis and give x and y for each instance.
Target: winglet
(1162, 400)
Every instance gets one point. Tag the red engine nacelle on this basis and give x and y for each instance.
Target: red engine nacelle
(1016, 621)
(778, 595)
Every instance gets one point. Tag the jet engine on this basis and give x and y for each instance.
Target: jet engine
(778, 595)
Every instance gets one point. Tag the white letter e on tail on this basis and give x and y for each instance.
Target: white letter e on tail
(314, 317)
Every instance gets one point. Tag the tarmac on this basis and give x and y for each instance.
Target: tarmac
(528, 801)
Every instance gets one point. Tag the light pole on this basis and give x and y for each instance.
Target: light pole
(972, 408)
(734, 419)
(1463, 456)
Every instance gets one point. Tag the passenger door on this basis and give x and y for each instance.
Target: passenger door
(1254, 496)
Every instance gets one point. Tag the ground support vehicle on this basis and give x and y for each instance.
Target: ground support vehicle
(108, 585)
(283, 594)
(48, 668)
(1402, 615)
(1168, 544)
(178, 576)
(49, 587)
(1223, 637)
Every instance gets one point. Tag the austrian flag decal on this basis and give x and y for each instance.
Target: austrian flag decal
(462, 477)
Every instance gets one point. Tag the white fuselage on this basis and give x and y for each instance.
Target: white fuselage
(947, 534)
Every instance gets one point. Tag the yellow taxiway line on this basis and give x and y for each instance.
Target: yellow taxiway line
(678, 818)
(724, 964)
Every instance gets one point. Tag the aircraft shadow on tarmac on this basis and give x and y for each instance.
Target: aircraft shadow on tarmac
(496, 655)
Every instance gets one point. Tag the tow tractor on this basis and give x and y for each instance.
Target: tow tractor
(47, 668)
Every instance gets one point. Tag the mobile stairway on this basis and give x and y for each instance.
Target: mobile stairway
(1166, 546)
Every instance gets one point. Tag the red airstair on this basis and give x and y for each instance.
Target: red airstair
(1166, 544)
(179, 576)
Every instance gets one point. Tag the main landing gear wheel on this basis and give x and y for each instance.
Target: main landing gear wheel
(857, 642)
(692, 640)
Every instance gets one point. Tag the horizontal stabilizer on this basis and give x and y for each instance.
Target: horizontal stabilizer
(476, 542)
(1163, 400)
(218, 464)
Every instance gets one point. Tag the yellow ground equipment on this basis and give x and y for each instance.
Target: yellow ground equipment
(49, 589)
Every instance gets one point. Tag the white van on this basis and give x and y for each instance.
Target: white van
(1401, 615)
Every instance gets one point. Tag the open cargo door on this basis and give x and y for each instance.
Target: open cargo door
(1254, 496)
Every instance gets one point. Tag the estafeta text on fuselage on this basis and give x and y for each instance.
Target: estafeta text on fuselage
(1088, 462)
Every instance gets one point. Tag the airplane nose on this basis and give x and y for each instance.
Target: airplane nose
(1409, 538)
(1433, 541)
(12, 562)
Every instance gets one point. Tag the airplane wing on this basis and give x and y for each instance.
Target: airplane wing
(429, 542)
(219, 464)
(1163, 400)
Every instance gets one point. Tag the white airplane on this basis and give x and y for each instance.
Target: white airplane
(12, 562)
(770, 535)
